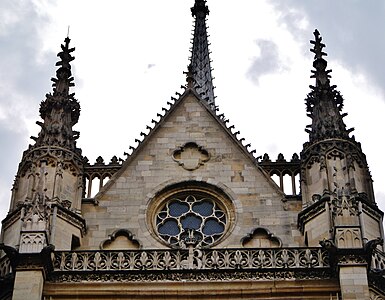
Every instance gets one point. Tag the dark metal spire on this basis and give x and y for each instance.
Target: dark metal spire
(200, 60)
(60, 111)
(324, 103)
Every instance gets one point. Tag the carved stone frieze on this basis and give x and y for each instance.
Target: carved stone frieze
(57, 277)
(351, 259)
(331, 149)
(71, 161)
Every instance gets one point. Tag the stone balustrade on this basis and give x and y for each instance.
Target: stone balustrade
(5, 267)
(193, 259)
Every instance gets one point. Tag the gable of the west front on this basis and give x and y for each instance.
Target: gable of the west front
(191, 153)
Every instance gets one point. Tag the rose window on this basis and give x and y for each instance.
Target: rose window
(191, 220)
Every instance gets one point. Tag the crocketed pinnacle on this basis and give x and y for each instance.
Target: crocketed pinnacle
(200, 60)
(60, 111)
(324, 103)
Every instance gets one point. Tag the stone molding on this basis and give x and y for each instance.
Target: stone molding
(72, 218)
(240, 275)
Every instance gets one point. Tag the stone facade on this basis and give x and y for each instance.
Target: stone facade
(128, 198)
(191, 213)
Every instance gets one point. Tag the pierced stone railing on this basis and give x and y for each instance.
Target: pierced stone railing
(377, 273)
(5, 267)
(378, 260)
(220, 259)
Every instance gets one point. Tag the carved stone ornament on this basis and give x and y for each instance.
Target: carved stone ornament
(352, 260)
(344, 204)
(120, 239)
(191, 156)
(261, 238)
(240, 275)
(375, 296)
(32, 242)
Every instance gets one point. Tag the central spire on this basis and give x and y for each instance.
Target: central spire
(200, 60)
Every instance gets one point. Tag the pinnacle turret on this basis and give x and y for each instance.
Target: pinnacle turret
(60, 111)
(200, 60)
(324, 103)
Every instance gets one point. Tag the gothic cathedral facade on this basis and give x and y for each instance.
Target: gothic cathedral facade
(191, 213)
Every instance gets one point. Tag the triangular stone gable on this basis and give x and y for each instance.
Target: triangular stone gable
(189, 144)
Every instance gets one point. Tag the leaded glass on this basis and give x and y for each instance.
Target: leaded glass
(191, 218)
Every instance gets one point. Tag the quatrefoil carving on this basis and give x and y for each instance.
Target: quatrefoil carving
(191, 156)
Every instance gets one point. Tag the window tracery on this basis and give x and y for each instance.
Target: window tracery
(191, 218)
(190, 213)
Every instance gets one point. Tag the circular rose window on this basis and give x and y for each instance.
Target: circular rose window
(191, 218)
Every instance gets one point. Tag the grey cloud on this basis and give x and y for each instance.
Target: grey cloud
(10, 140)
(267, 62)
(24, 79)
(353, 31)
(25, 69)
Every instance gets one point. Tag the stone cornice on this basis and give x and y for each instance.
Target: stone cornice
(71, 217)
(12, 217)
(311, 212)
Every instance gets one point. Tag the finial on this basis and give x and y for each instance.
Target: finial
(63, 79)
(318, 45)
(60, 110)
(324, 103)
(320, 73)
(200, 7)
(68, 31)
(65, 54)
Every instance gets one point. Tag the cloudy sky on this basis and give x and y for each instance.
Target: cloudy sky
(130, 58)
